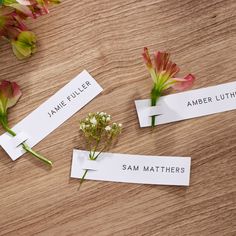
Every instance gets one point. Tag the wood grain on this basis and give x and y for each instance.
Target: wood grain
(107, 37)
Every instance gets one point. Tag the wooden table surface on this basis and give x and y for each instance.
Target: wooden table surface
(106, 38)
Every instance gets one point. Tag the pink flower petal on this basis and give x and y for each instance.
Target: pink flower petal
(183, 84)
(16, 94)
(5, 89)
(172, 69)
(166, 57)
(9, 94)
(146, 58)
(158, 61)
(162, 63)
(24, 9)
(24, 2)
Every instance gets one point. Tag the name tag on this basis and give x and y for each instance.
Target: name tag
(51, 114)
(186, 105)
(161, 170)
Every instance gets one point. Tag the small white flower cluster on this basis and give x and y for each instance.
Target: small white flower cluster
(113, 126)
(99, 133)
(96, 122)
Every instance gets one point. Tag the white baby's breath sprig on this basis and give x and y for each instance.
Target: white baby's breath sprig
(99, 133)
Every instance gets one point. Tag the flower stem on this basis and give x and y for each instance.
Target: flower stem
(86, 171)
(155, 94)
(83, 177)
(153, 103)
(35, 154)
(9, 130)
(26, 147)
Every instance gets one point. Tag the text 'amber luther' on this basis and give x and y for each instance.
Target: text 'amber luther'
(217, 98)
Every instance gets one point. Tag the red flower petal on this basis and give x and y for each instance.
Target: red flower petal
(146, 58)
(166, 57)
(162, 62)
(158, 61)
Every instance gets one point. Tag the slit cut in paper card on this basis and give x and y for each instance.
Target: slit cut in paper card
(186, 105)
(51, 114)
(160, 170)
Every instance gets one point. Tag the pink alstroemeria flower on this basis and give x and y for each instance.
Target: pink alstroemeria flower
(13, 14)
(9, 95)
(163, 73)
(10, 23)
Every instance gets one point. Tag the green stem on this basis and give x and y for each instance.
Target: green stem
(93, 157)
(86, 171)
(26, 147)
(155, 94)
(35, 154)
(99, 153)
(9, 130)
(83, 178)
(153, 103)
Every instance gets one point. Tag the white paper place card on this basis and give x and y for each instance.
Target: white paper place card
(186, 105)
(51, 114)
(161, 170)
